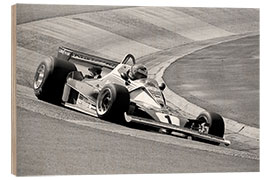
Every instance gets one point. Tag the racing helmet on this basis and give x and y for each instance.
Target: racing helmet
(138, 71)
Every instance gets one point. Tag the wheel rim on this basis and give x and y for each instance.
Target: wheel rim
(39, 77)
(204, 128)
(105, 102)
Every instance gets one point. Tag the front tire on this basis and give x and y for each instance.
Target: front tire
(50, 78)
(112, 102)
(212, 123)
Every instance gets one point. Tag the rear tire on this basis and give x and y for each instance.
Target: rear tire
(112, 102)
(50, 78)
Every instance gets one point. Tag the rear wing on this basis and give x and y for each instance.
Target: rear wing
(68, 54)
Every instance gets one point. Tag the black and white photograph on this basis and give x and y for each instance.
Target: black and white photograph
(103, 89)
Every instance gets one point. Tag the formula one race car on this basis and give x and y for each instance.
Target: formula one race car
(111, 90)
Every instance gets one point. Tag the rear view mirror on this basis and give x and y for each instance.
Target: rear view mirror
(162, 86)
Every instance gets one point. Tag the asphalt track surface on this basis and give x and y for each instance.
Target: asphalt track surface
(222, 78)
(55, 140)
(33, 12)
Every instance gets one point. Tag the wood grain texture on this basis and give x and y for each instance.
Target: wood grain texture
(13, 92)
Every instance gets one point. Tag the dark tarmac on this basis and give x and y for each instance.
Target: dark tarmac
(222, 78)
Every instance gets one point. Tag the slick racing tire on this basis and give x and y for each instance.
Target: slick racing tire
(212, 123)
(50, 78)
(112, 102)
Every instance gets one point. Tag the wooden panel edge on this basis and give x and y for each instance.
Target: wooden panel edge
(13, 92)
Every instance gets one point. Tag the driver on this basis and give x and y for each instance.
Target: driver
(137, 71)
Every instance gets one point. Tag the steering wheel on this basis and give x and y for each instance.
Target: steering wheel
(127, 58)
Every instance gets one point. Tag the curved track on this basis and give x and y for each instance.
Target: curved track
(225, 79)
(55, 140)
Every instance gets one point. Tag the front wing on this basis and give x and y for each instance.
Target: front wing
(153, 123)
